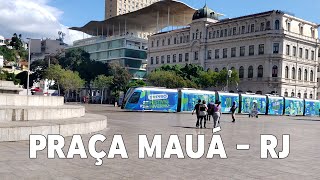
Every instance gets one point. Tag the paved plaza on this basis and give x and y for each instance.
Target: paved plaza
(302, 163)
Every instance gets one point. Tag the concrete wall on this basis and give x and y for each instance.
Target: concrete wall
(18, 100)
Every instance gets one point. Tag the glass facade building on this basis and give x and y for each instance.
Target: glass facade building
(129, 51)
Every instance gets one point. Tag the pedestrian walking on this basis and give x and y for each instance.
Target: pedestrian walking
(203, 113)
(233, 111)
(196, 108)
(216, 114)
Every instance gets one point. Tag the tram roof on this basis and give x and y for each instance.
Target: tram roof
(147, 19)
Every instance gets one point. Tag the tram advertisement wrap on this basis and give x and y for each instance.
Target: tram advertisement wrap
(275, 105)
(190, 99)
(226, 100)
(247, 102)
(160, 101)
(293, 107)
(311, 108)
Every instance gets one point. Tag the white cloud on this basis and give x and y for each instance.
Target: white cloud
(33, 18)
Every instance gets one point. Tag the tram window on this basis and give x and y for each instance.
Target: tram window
(135, 98)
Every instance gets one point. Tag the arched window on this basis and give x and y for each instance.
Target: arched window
(299, 95)
(277, 24)
(197, 32)
(216, 70)
(224, 68)
(285, 94)
(268, 25)
(311, 96)
(305, 95)
(286, 75)
(305, 75)
(293, 75)
(311, 76)
(275, 71)
(292, 94)
(260, 71)
(241, 72)
(299, 74)
(250, 72)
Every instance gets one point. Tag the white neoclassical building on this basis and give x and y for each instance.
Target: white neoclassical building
(273, 52)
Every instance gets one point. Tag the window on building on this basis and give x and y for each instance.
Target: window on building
(225, 53)
(152, 44)
(210, 35)
(192, 35)
(312, 33)
(157, 59)
(197, 32)
(243, 29)
(289, 26)
(221, 33)
(174, 58)
(218, 33)
(268, 25)
(241, 72)
(285, 94)
(162, 59)
(186, 57)
(301, 30)
(216, 54)
(196, 55)
(251, 50)
(260, 71)
(242, 50)
(216, 70)
(299, 95)
(307, 54)
(293, 73)
(162, 42)
(299, 74)
(250, 72)
(252, 28)
(157, 43)
(209, 54)
(151, 60)
(233, 52)
(292, 94)
(275, 71)
(200, 35)
(311, 76)
(262, 27)
(312, 55)
(181, 41)
(174, 40)
(261, 49)
(277, 25)
(180, 57)
(300, 52)
(225, 32)
(305, 95)
(275, 48)
(294, 51)
(214, 34)
(306, 75)
(286, 75)
(168, 58)
(288, 50)
(169, 41)
(234, 31)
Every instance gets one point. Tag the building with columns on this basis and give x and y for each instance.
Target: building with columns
(273, 52)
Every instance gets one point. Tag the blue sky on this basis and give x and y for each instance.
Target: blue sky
(79, 12)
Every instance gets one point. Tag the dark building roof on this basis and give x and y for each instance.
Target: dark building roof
(205, 12)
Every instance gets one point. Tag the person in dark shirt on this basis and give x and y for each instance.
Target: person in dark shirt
(196, 108)
(233, 111)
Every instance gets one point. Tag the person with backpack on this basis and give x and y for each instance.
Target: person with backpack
(196, 108)
(203, 113)
(233, 111)
(216, 114)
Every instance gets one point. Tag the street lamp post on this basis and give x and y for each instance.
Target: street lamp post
(228, 76)
(29, 59)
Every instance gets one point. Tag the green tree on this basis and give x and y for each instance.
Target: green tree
(70, 81)
(102, 82)
(121, 77)
(223, 76)
(168, 79)
(55, 73)
(8, 54)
